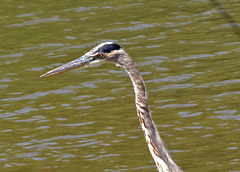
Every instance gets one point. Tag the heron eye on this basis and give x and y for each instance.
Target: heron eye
(100, 55)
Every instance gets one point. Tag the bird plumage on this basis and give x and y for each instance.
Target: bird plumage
(112, 52)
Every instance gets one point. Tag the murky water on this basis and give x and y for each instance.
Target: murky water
(85, 120)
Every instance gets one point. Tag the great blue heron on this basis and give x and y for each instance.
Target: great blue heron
(112, 52)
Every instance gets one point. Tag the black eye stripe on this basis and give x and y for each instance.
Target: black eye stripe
(107, 48)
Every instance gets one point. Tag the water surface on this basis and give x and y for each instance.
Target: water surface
(85, 120)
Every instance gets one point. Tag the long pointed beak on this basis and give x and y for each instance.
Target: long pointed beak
(77, 63)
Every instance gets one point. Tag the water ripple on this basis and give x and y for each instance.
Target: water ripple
(130, 28)
(29, 96)
(195, 56)
(76, 124)
(38, 21)
(221, 83)
(174, 86)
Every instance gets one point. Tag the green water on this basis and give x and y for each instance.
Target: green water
(85, 120)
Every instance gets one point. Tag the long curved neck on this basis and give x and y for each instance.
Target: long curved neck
(155, 143)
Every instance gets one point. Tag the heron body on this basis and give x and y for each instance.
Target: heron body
(113, 53)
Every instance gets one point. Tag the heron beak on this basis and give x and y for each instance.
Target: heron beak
(77, 63)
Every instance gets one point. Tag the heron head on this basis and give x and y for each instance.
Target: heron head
(104, 52)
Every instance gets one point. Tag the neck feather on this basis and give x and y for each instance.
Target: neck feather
(154, 141)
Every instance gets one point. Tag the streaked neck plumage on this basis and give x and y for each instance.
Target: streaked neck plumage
(154, 141)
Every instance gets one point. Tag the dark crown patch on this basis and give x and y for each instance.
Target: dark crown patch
(107, 48)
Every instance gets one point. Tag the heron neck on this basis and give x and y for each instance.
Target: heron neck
(152, 137)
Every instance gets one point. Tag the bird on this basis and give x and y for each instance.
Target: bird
(110, 52)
